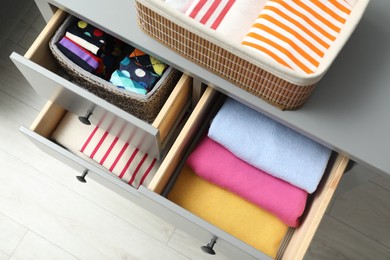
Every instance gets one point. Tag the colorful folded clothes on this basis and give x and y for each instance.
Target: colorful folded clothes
(120, 158)
(269, 145)
(123, 80)
(216, 164)
(297, 34)
(228, 212)
(87, 36)
(138, 73)
(148, 62)
(79, 55)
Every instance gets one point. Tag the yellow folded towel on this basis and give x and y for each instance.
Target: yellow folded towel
(229, 212)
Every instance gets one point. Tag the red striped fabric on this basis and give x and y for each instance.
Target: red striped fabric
(210, 13)
(125, 161)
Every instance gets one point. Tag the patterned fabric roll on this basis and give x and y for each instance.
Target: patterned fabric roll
(209, 12)
(296, 33)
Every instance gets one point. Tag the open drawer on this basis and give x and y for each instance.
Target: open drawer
(297, 240)
(44, 74)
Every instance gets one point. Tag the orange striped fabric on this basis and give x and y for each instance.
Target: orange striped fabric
(297, 33)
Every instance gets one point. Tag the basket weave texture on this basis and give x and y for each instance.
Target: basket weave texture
(145, 107)
(242, 73)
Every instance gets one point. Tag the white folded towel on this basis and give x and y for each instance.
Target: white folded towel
(269, 145)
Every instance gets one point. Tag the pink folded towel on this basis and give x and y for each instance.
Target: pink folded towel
(218, 165)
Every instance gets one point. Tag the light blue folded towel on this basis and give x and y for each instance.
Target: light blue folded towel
(269, 145)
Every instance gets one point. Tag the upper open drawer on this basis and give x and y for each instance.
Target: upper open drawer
(44, 74)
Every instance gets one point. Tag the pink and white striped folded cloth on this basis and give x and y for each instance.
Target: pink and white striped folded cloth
(297, 34)
(209, 12)
(127, 162)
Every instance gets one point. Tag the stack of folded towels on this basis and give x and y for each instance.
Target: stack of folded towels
(259, 171)
(109, 58)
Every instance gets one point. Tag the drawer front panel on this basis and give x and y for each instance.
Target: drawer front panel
(79, 164)
(81, 102)
(197, 227)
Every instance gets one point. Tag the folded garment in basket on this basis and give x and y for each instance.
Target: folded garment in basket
(269, 145)
(216, 164)
(209, 12)
(87, 36)
(79, 55)
(181, 5)
(148, 62)
(120, 158)
(229, 212)
(297, 34)
(138, 73)
(122, 80)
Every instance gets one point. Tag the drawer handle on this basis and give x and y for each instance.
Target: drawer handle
(208, 249)
(81, 178)
(85, 119)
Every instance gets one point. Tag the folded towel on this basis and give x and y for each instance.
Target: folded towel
(297, 33)
(269, 145)
(229, 212)
(209, 12)
(116, 155)
(181, 5)
(216, 164)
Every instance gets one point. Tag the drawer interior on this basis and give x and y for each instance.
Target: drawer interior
(297, 240)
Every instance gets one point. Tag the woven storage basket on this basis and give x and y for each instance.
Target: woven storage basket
(262, 77)
(145, 107)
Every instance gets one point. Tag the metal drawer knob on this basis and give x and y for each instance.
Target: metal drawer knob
(81, 178)
(85, 119)
(208, 249)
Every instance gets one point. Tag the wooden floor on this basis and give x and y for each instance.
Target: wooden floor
(46, 214)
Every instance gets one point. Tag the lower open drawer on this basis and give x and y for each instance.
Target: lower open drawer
(294, 244)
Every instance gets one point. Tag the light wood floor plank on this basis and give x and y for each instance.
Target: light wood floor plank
(11, 233)
(336, 241)
(383, 181)
(35, 247)
(70, 221)
(366, 208)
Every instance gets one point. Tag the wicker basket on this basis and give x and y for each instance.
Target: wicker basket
(145, 107)
(264, 78)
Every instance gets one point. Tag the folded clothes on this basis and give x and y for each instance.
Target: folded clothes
(148, 62)
(216, 164)
(209, 12)
(137, 73)
(228, 212)
(297, 33)
(78, 55)
(121, 80)
(269, 145)
(181, 5)
(120, 158)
